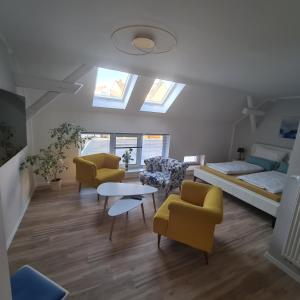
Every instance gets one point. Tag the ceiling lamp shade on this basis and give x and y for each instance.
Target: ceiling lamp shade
(144, 44)
(143, 39)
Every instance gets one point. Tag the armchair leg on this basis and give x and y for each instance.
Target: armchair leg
(206, 257)
(158, 240)
(79, 187)
(195, 178)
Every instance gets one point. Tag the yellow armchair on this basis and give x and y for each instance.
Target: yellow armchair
(92, 170)
(191, 217)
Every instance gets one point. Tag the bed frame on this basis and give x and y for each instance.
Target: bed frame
(252, 198)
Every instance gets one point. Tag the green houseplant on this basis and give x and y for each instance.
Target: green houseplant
(49, 162)
(126, 157)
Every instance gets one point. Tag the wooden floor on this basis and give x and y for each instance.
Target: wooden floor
(62, 236)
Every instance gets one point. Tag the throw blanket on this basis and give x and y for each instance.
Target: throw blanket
(272, 181)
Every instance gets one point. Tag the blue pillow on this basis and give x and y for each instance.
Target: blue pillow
(283, 167)
(268, 165)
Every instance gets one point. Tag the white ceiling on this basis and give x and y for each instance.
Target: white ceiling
(250, 45)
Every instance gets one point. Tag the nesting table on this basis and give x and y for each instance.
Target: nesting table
(131, 197)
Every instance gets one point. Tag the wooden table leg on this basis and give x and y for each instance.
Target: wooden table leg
(153, 202)
(104, 209)
(112, 228)
(142, 206)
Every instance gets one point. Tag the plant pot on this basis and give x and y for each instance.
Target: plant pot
(126, 167)
(55, 184)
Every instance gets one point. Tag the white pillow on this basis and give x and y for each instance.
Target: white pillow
(270, 154)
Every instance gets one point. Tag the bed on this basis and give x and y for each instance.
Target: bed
(241, 189)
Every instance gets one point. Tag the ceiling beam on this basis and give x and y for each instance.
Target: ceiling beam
(51, 95)
(45, 84)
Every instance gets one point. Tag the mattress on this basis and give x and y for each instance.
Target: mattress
(234, 179)
(272, 181)
(236, 167)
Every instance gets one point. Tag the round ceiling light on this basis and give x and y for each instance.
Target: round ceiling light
(143, 39)
(143, 43)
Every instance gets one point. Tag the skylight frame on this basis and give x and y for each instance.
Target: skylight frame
(116, 102)
(171, 96)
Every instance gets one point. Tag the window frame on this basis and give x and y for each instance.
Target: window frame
(139, 163)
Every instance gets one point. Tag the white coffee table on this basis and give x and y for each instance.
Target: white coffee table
(115, 189)
(123, 206)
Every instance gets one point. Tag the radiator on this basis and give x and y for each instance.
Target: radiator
(291, 249)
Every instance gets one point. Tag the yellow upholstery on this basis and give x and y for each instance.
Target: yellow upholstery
(92, 170)
(191, 217)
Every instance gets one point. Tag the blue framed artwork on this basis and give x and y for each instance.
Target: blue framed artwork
(289, 128)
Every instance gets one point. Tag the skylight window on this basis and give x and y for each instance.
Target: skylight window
(161, 96)
(159, 91)
(113, 88)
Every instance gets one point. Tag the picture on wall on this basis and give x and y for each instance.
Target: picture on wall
(289, 127)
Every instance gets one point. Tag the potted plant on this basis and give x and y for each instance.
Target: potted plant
(126, 157)
(49, 162)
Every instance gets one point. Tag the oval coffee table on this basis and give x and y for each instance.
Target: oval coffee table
(121, 207)
(116, 189)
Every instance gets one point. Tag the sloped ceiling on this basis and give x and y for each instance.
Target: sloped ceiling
(250, 45)
(199, 102)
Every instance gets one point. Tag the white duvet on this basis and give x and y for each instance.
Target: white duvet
(235, 167)
(272, 181)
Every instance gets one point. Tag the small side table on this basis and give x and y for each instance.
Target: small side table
(123, 206)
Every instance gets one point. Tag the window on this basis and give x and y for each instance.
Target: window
(152, 146)
(96, 143)
(113, 88)
(161, 96)
(193, 159)
(144, 145)
(123, 143)
(159, 91)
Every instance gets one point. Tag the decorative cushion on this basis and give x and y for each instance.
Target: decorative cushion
(268, 165)
(270, 154)
(283, 167)
(29, 284)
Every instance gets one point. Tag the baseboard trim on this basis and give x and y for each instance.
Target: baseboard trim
(13, 233)
(282, 267)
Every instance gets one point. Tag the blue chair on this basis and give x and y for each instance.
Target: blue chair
(29, 284)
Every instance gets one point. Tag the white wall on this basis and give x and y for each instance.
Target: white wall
(195, 123)
(15, 187)
(268, 128)
(188, 137)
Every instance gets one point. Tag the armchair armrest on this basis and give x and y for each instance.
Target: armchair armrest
(84, 169)
(193, 213)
